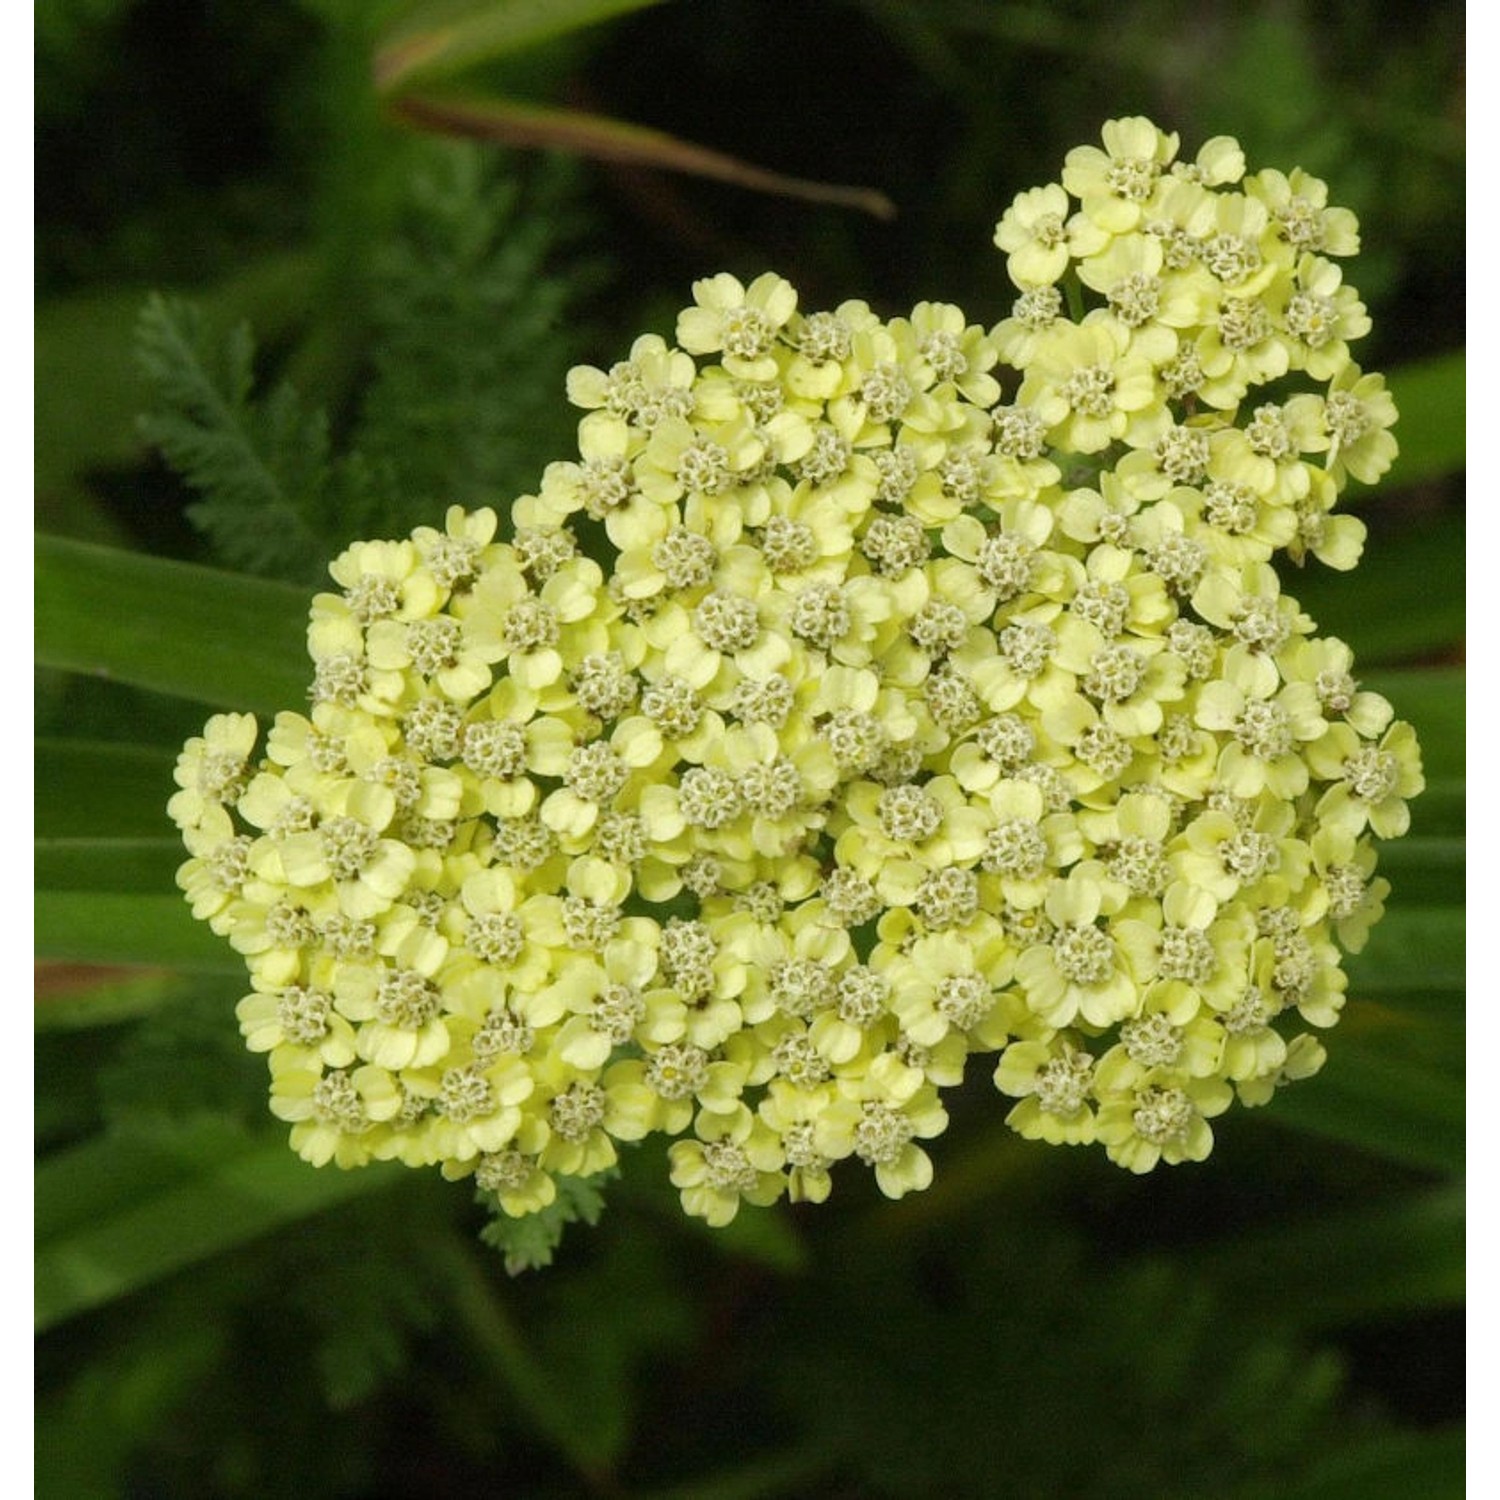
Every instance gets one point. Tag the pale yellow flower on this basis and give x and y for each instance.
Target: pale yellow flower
(1116, 183)
(1040, 234)
(1091, 388)
(1372, 781)
(1080, 971)
(740, 323)
(212, 772)
(879, 1117)
(841, 711)
(1162, 1122)
(1053, 1079)
(735, 1158)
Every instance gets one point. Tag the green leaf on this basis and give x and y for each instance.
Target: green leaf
(110, 927)
(1376, 1099)
(1434, 700)
(88, 383)
(445, 37)
(473, 246)
(514, 123)
(1335, 1269)
(117, 1214)
(95, 788)
(124, 866)
(1430, 398)
(191, 632)
(101, 819)
(1404, 601)
(1386, 1466)
(261, 468)
(1412, 948)
(530, 1242)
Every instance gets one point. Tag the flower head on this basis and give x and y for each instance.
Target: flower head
(830, 718)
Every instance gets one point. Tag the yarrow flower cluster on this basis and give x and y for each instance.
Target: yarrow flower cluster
(865, 696)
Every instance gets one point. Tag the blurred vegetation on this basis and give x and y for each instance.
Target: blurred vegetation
(249, 229)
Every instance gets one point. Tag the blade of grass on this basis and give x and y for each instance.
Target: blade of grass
(445, 38)
(1430, 397)
(124, 866)
(516, 124)
(111, 927)
(114, 1215)
(1425, 870)
(92, 789)
(1385, 1104)
(192, 632)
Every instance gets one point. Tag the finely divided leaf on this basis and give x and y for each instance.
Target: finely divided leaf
(261, 470)
(529, 1243)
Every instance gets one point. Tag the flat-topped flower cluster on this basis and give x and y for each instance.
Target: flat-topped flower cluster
(866, 696)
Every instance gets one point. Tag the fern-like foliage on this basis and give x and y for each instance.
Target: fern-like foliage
(468, 349)
(262, 468)
(530, 1243)
(472, 336)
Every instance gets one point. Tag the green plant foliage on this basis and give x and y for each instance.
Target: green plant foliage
(105, 612)
(465, 305)
(1046, 1340)
(88, 1430)
(1416, 572)
(530, 1243)
(364, 1313)
(264, 470)
(1377, 1099)
(279, 1404)
(460, 308)
(90, 788)
(439, 37)
(1430, 397)
(607, 1376)
(118, 1214)
(358, 326)
(1399, 1253)
(118, 865)
(1387, 1466)
(90, 388)
(112, 996)
(125, 927)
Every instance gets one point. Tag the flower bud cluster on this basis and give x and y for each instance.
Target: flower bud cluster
(865, 696)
